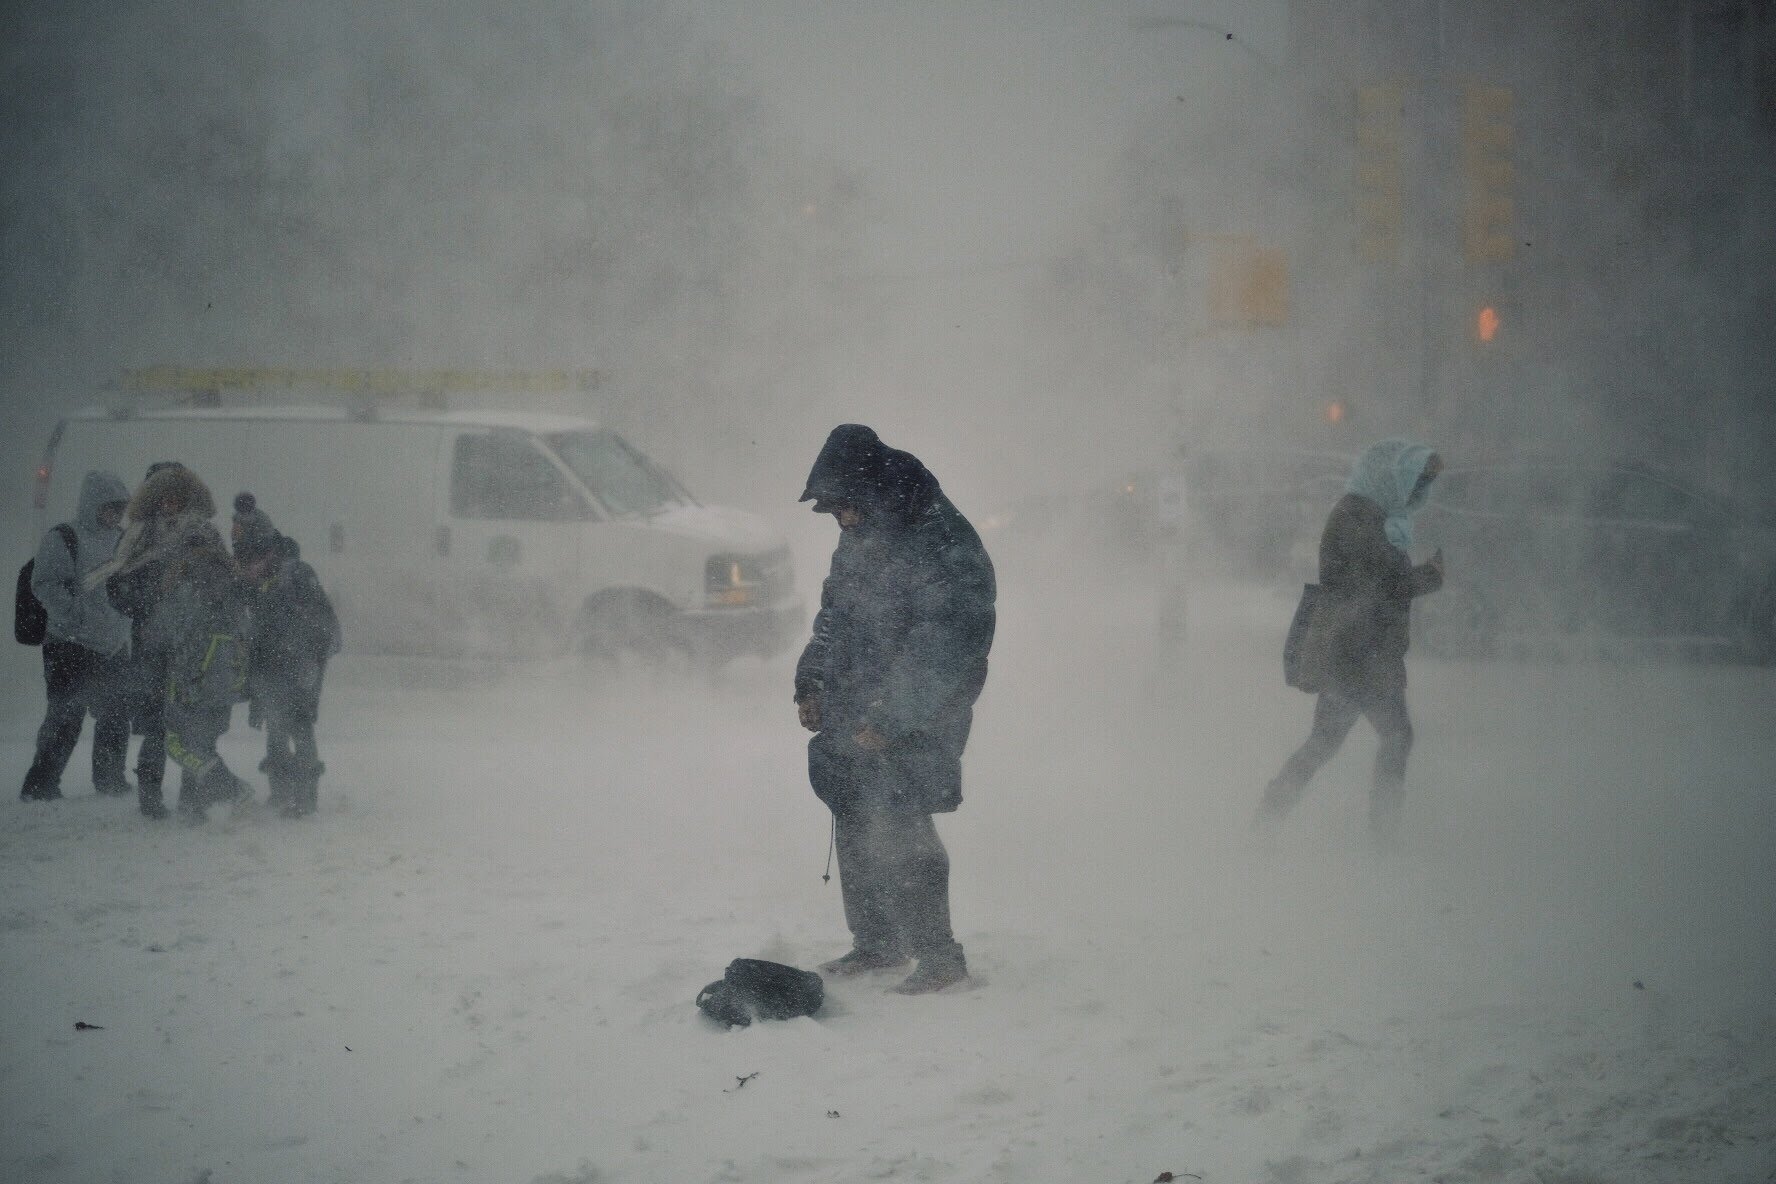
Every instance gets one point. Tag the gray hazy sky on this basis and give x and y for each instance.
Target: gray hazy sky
(984, 128)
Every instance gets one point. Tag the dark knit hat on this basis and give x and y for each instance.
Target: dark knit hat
(254, 534)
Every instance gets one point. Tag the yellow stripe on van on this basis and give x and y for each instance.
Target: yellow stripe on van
(378, 381)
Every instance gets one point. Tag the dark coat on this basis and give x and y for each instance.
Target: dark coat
(900, 643)
(204, 626)
(295, 632)
(1368, 585)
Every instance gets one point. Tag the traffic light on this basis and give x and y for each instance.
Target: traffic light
(1486, 325)
(1488, 235)
(1381, 121)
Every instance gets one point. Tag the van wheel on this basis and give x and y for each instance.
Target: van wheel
(631, 632)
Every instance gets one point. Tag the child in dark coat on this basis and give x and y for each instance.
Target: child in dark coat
(296, 631)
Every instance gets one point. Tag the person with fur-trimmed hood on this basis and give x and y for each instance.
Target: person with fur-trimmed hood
(888, 683)
(295, 632)
(203, 626)
(170, 501)
(85, 645)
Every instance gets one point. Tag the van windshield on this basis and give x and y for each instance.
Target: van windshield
(622, 478)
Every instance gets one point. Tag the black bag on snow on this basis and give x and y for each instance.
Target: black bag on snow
(30, 620)
(753, 989)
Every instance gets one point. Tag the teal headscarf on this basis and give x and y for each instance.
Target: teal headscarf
(1387, 473)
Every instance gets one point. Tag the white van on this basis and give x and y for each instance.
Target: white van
(469, 532)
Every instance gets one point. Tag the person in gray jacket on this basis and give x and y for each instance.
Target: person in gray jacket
(86, 646)
(203, 624)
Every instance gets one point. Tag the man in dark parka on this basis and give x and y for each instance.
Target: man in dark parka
(888, 683)
(1368, 582)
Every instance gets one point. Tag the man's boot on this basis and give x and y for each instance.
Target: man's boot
(937, 970)
(148, 797)
(304, 789)
(278, 770)
(863, 961)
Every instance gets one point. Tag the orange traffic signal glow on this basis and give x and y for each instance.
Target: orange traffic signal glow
(1486, 326)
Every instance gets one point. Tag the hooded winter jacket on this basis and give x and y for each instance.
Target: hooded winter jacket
(906, 616)
(164, 511)
(295, 630)
(80, 614)
(1366, 573)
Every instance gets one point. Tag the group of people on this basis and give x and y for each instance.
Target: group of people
(899, 651)
(152, 619)
(155, 624)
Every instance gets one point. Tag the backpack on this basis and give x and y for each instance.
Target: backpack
(208, 659)
(755, 989)
(30, 620)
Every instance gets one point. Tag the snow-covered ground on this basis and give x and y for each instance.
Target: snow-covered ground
(478, 962)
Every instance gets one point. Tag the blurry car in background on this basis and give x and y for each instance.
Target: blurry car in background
(1552, 557)
(1105, 524)
(1261, 510)
(1255, 513)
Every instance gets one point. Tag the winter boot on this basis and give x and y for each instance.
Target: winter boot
(279, 771)
(215, 785)
(39, 793)
(148, 798)
(935, 972)
(862, 961)
(305, 791)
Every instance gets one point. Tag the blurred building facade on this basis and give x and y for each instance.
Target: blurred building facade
(1556, 221)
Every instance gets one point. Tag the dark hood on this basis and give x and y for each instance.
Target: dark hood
(891, 487)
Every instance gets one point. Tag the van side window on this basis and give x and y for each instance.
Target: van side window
(495, 475)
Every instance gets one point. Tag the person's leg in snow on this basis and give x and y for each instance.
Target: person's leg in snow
(204, 779)
(66, 670)
(1386, 711)
(894, 874)
(108, 699)
(864, 885)
(292, 763)
(149, 694)
(1334, 716)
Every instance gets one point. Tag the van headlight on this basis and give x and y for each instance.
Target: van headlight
(735, 581)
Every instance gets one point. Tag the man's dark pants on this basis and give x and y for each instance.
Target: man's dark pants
(80, 681)
(894, 872)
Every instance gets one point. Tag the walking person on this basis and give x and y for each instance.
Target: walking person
(162, 512)
(295, 632)
(85, 645)
(887, 683)
(1360, 628)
